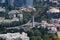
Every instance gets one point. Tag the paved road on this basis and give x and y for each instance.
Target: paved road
(22, 26)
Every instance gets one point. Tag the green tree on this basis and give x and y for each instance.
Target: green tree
(47, 37)
(30, 33)
(37, 33)
(35, 38)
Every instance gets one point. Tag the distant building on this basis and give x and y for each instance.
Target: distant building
(9, 2)
(3, 20)
(19, 3)
(2, 9)
(28, 9)
(15, 14)
(56, 21)
(53, 1)
(53, 10)
(29, 2)
(14, 36)
(12, 2)
(2, 2)
(20, 16)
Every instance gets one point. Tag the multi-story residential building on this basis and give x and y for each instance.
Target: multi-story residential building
(19, 3)
(2, 2)
(9, 2)
(29, 2)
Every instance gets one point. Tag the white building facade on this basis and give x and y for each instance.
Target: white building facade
(14, 36)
